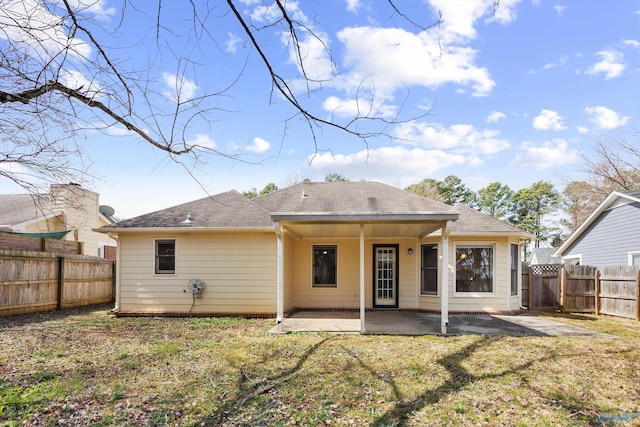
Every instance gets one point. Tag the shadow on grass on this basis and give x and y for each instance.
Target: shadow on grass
(459, 377)
(247, 392)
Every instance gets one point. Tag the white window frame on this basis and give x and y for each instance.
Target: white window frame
(328, 286)
(175, 256)
(438, 265)
(631, 255)
(493, 292)
(518, 271)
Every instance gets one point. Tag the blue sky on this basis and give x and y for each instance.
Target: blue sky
(513, 94)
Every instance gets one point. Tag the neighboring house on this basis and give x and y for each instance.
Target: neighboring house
(317, 246)
(543, 256)
(609, 236)
(67, 207)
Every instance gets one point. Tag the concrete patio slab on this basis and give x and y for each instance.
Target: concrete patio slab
(412, 323)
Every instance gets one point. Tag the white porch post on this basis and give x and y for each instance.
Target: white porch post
(280, 273)
(444, 279)
(362, 328)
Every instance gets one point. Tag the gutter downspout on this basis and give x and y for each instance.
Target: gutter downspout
(280, 272)
(444, 279)
(117, 296)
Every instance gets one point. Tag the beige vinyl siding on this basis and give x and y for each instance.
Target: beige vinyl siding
(498, 299)
(347, 293)
(239, 270)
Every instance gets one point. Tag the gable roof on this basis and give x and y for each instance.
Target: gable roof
(229, 210)
(543, 256)
(613, 200)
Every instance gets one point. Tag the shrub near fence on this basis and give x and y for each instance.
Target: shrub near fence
(39, 281)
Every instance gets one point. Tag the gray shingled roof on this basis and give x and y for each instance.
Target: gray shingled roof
(224, 210)
(471, 221)
(233, 210)
(358, 197)
(19, 208)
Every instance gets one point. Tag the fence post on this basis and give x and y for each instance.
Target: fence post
(60, 281)
(597, 292)
(563, 286)
(530, 296)
(638, 295)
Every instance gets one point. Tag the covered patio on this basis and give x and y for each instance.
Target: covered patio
(359, 225)
(415, 323)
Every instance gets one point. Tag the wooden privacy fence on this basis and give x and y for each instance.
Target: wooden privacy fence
(38, 281)
(41, 244)
(612, 290)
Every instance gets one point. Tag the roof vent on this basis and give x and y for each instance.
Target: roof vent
(189, 220)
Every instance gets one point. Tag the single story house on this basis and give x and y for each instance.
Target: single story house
(317, 246)
(609, 236)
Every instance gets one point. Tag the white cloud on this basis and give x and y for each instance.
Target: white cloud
(232, 42)
(561, 61)
(495, 116)
(31, 27)
(92, 7)
(178, 88)
(461, 138)
(353, 5)
(559, 9)
(611, 65)
(389, 164)
(376, 52)
(76, 80)
(258, 146)
(605, 118)
(201, 140)
(632, 43)
(549, 155)
(548, 119)
(583, 129)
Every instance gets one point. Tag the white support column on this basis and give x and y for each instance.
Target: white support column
(280, 273)
(444, 280)
(362, 311)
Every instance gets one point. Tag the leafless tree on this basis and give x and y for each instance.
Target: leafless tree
(65, 72)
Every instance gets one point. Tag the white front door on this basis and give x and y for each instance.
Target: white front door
(385, 276)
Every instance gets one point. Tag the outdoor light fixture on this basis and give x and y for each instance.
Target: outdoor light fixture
(410, 251)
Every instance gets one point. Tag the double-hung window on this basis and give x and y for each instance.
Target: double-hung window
(325, 266)
(515, 261)
(165, 256)
(429, 270)
(474, 268)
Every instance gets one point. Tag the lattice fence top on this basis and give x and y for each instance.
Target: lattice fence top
(545, 269)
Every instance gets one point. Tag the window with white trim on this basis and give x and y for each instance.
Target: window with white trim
(325, 266)
(634, 258)
(429, 270)
(474, 268)
(515, 261)
(165, 258)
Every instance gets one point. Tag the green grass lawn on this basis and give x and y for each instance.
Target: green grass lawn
(83, 367)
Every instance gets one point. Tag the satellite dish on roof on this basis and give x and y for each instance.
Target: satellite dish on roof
(107, 211)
